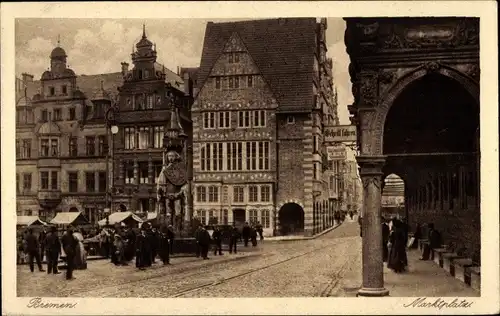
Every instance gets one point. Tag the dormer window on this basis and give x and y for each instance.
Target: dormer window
(52, 91)
(140, 74)
(45, 116)
(290, 119)
(65, 90)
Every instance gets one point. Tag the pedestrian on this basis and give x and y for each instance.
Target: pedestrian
(385, 239)
(197, 238)
(33, 251)
(397, 255)
(41, 240)
(164, 250)
(171, 235)
(217, 238)
(53, 249)
(253, 236)
(70, 244)
(245, 234)
(119, 251)
(434, 238)
(129, 243)
(143, 249)
(233, 239)
(260, 230)
(153, 239)
(204, 242)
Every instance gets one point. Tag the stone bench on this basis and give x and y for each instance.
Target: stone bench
(437, 254)
(475, 277)
(460, 266)
(448, 261)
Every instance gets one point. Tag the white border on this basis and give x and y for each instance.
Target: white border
(486, 10)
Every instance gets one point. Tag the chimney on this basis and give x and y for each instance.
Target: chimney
(124, 68)
(27, 77)
(187, 83)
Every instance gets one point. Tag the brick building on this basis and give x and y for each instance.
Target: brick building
(258, 113)
(145, 107)
(61, 140)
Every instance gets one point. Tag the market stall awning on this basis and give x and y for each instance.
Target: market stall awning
(69, 218)
(119, 217)
(29, 220)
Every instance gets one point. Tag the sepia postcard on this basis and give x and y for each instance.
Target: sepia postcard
(250, 158)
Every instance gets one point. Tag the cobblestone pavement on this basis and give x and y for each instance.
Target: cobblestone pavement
(289, 261)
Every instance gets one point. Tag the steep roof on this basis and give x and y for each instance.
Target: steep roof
(283, 50)
(67, 218)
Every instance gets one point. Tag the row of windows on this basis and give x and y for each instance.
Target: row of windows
(146, 173)
(49, 180)
(144, 137)
(24, 116)
(234, 82)
(256, 193)
(52, 90)
(56, 115)
(143, 101)
(49, 147)
(235, 156)
(222, 217)
(212, 120)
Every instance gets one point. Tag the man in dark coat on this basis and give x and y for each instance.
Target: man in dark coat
(154, 240)
(434, 238)
(53, 249)
(217, 238)
(385, 239)
(143, 249)
(197, 238)
(41, 240)
(164, 246)
(171, 235)
(129, 238)
(33, 251)
(253, 236)
(69, 243)
(233, 239)
(204, 242)
(397, 256)
(260, 230)
(246, 234)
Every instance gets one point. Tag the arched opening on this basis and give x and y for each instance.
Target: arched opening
(291, 217)
(123, 208)
(432, 133)
(73, 209)
(393, 197)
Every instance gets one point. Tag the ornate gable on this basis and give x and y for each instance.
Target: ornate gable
(234, 44)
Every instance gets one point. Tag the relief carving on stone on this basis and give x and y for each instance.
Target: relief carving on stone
(368, 89)
(473, 71)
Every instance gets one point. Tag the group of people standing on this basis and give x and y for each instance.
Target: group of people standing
(51, 246)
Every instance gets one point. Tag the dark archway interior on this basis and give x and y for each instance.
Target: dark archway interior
(73, 209)
(123, 208)
(433, 114)
(291, 217)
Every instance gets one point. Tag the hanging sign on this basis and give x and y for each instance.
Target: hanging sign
(340, 133)
(336, 153)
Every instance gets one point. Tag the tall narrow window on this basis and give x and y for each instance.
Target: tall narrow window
(143, 172)
(44, 180)
(73, 146)
(203, 158)
(90, 145)
(90, 181)
(201, 194)
(158, 136)
(213, 194)
(103, 183)
(265, 193)
(54, 147)
(150, 101)
(209, 156)
(265, 218)
(224, 119)
(215, 156)
(238, 194)
(217, 83)
(129, 137)
(237, 82)
(103, 145)
(27, 182)
(64, 89)
(143, 137)
(250, 81)
(44, 147)
(236, 57)
(52, 91)
(261, 155)
(247, 119)
(72, 114)
(239, 154)
(54, 180)
(229, 156)
(157, 166)
(73, 181)
(231, 82)
(57, 115)
(230, 58)
(45, 116)
(129, 173)
(253, 193)
(209, 120)
(259, 118)
(220, 156)
(266, 156)
(26, 150)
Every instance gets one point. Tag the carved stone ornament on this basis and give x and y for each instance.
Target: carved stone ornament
(474, 72)
(367, 31)
(176, 173)
(368, 89)
(367, 180)
(432, 66)
(386, 77)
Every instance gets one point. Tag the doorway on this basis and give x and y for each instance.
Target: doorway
(239, 216)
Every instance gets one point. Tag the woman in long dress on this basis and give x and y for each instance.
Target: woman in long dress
(81, 256)
(397, 255)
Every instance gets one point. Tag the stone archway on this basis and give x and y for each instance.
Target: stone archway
(377, 120)
(122, 208)
(291, 218)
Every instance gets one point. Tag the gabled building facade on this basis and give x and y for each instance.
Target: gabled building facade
(60, 147)
(257, 117)
(146, 102)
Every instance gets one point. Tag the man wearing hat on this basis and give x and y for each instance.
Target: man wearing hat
(53, 249)
(69, 243)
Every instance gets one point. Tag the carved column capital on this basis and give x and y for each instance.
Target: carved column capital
(370, 165)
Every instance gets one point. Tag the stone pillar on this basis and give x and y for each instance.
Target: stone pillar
(373, 273)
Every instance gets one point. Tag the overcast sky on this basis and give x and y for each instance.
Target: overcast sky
(98, 46)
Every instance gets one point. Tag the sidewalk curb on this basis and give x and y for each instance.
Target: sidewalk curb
(303, 238)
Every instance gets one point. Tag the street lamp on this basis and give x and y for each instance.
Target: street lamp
(111, 130)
